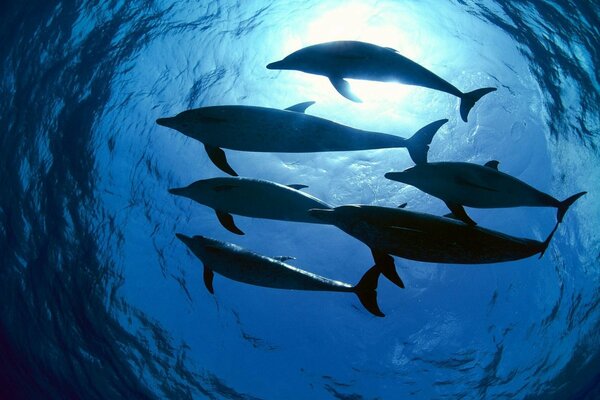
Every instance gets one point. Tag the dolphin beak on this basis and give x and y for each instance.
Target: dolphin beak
(394, 176)
(177, 191)
(185, 239)
(276, 65)
(168, 122)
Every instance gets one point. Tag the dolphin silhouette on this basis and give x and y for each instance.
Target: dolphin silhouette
(461, 184)
(359, 60)
(241, 265)
(429, 238)
(264, 199)
(260, 129)
(252, 198)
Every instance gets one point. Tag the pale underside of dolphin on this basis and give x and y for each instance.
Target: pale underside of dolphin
(238, 264)
(359, 60)
(429, 238)
(253, 198)
(461, 184)
(261, 129)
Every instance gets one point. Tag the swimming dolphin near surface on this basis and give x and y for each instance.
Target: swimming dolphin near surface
(359, 60)
(252, 198)
(260, 129)
(429, 238)
(461, 184)
(241, 265)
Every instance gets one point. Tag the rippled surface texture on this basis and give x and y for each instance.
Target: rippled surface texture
(100, 300)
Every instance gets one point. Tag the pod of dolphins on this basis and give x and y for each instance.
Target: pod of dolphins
(453, 238)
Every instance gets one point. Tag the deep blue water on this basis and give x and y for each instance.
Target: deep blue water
(100, 300)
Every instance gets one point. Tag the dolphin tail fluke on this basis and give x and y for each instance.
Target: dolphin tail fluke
(565, 204)
(217, 156)
(366, 291)
(386, 265)
(468, 100)
(546, 242)
(418, 144)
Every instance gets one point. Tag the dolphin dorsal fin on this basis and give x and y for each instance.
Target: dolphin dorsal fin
(297, 186)
(492, 164)
(403, 205)
(284, 258)
(300, 107)
(208, 279)
(227, 221)
(217, 156)
(343, 88)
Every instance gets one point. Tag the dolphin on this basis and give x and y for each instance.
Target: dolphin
(252, 198)
(260, 129)
(359, 60)
(429, 238)
(461, 184)
(234, 262)
(264, 199)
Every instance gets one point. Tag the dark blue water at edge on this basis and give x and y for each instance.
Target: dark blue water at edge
(65, 332)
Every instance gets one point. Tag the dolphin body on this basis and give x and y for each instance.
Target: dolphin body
(429, 238)
(359, 60)
(461, 184)
(241, 265)
(260, 129)
(264, 199)
(252, 198)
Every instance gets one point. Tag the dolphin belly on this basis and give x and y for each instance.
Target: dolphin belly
(263, 271)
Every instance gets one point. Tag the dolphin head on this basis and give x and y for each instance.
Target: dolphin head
(308, 59)
(213, 192)
(181, 122)
(198, 244)
(409, 176)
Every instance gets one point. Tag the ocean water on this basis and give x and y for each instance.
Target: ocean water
(99, 300)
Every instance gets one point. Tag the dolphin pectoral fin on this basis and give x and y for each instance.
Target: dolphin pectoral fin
(300, 107)
(227, 221)
(343, 88)
(366, 290)
(208, 279)
(217, 156)
(284, 258)
(492, 164)
(385, 263)
(418, 144)
(459, 213)
(297, 186)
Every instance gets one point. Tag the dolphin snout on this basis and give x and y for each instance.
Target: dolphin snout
(185, 239)
(276, 65)
(395, 176)
(177, 191)
(168, 122)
